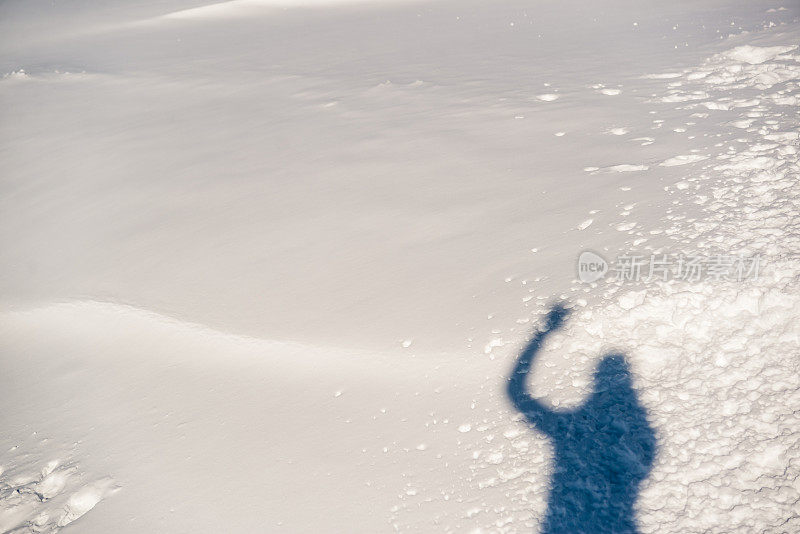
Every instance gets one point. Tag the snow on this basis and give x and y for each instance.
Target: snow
(244, 8)
(755, 55)
(683, 159)
(265, 262)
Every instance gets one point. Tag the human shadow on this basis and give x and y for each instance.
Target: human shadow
(603, 449)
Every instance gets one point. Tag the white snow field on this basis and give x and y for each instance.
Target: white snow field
(266, 266)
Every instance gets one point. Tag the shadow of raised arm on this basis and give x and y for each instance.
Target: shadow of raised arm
(545, 419)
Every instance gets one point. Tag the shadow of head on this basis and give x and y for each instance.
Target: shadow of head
(614, 372)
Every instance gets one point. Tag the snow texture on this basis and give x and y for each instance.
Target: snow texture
(276, 266)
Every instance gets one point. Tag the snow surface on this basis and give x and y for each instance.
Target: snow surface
(267, 266)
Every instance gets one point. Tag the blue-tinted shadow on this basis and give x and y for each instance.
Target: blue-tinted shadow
(603, 449)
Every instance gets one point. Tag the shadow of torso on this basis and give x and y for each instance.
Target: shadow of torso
(603, 451)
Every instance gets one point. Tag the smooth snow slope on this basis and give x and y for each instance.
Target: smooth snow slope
(269, 272)
(355, 175)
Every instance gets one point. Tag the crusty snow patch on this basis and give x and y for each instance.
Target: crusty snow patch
(756, 55)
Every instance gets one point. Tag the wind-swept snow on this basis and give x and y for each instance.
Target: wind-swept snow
(267, 267)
